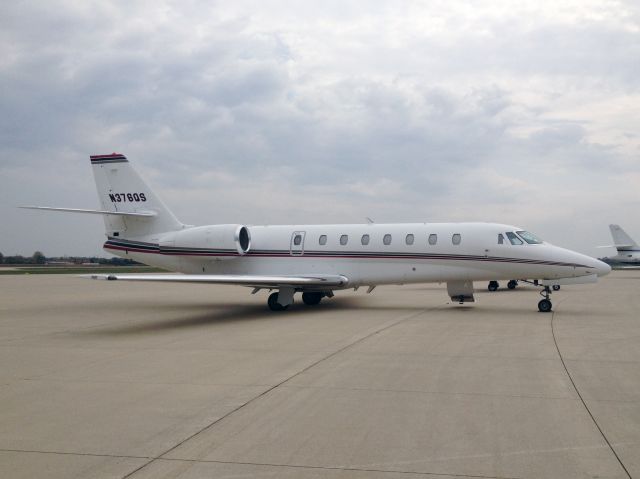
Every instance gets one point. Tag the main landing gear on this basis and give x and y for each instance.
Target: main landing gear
(310, 298)
(273, 304)
(494, 285)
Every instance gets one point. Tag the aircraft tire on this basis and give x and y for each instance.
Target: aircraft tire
(493, 286)
(311, 298)
(544, 306)
(556, 287)
(273, 304)
(512, 284)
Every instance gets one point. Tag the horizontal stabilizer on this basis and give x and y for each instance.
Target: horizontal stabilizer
(255, 281)
(592, 278)
(140, 214)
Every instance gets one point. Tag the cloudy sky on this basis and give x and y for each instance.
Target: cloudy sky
(324, 112)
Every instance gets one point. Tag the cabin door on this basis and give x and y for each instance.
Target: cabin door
(297, 243)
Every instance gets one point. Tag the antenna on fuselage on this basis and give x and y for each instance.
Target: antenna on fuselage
(369, 220)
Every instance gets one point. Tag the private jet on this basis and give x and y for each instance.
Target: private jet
(317, 260)
(628, 250)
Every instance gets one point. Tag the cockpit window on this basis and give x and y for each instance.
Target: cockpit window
(513, 238)
(500, 239)
(529, 237)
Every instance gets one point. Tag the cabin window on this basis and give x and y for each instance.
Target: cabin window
(456, 238)
(513, 238)
(529, 237)
(297, 239)
(433, 239)
(344, 239)
(387, 239)
(500, 238)
(323, 239)
(409, 239)
(364, 240)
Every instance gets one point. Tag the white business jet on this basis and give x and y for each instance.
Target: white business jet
(628, 250)
(317, 260)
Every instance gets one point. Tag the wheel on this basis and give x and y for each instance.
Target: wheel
(493, 286)
(544, 306)
(273, 303)
(512, 284)
(311, 299)
(556, 287)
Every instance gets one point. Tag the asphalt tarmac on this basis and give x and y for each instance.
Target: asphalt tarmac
(114, 380)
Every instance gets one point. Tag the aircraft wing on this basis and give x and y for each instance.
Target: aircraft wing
(255, 281)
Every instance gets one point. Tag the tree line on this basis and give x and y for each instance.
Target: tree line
(39, 258)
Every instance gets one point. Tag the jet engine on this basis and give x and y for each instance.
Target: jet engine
(209, 239)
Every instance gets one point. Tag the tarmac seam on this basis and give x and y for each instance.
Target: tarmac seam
(64, 453)
(584, 403)
(337, 468)
(272, 388)
(294, 466)
(436, 393)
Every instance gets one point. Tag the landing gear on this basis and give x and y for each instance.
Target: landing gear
(312, 298)
(273, 303)
(493, 286)
(556, 287)
(544, 305)
(512, 284)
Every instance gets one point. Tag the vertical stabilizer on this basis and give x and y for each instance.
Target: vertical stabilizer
(621, 240)
(121, 189)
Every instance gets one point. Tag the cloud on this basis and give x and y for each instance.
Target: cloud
(267, 112)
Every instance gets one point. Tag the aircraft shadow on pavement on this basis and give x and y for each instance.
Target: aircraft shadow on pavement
(208, 315)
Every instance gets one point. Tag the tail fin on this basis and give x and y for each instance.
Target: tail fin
(621, 240)
(122, 190)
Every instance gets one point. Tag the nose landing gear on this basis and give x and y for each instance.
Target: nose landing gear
(544, 305)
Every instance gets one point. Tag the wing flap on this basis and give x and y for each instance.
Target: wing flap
(255, 281)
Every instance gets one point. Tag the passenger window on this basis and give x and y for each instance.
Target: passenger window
(344, 239)
(387, 239)
(323, 239)
(500, 238)
(297, 239)
(513, 238)
(433, 239)
(409, 239)
(365, 240)
(456, 239)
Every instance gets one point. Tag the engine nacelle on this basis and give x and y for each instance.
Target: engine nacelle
(215, 237)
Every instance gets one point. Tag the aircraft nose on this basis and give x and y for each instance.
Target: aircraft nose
(602, 268)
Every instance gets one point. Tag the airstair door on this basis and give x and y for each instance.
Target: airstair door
(297, 243)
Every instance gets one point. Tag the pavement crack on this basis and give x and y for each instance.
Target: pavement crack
(584, 403)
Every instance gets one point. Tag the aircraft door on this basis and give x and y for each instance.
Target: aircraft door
(297, 243)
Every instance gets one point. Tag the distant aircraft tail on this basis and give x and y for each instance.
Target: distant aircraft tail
(621, 240)
(133, 208)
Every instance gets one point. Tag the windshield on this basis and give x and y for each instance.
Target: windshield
(529, 237)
